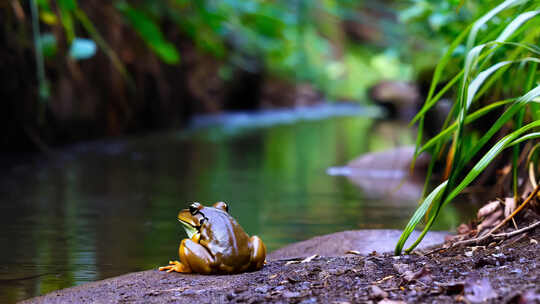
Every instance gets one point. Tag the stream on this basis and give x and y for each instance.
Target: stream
(101, 209)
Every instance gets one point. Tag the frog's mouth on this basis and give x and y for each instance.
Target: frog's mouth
(189, 228)
(190, 222)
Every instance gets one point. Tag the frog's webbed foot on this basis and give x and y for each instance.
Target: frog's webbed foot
(175, 266)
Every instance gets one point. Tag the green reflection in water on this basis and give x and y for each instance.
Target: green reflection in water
(108, 209)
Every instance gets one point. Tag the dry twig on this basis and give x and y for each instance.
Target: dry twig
(490, 233)
(511, 234)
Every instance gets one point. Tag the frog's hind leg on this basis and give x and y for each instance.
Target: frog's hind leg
(258, 253)
(196, 257)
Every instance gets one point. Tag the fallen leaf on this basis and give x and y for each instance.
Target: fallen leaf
(423, 275)
(463, 229)
(490, 221)
(509, 206)
(488, 209)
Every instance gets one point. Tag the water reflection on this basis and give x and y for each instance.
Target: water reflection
(105, 209)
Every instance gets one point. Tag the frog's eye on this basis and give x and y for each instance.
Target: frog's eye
(194, 208)
(202, 220)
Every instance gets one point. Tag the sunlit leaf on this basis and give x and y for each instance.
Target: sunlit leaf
(479, 80)
(515, 24)
(48, 17)
(488, 16)
(526, 137)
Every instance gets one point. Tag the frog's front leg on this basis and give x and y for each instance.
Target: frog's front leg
(193, 258)
(258, 253)
(176, 265)
(196, 257)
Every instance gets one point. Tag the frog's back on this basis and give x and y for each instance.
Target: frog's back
(229, 243)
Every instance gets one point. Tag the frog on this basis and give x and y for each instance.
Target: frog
(216, 243)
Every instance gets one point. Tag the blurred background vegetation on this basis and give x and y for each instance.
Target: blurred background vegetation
(76, 70)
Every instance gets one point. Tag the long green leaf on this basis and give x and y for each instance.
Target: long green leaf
(484, 19)
(470, 118)
(502, 144)
(150, 33)
(479, 80)
(66, 8)
(504, 118)
(434, 197)
(515, 24)
(418, 215)
(530, 36)
(526, 137)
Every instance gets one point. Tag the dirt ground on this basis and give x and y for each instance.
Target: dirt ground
(504, 272)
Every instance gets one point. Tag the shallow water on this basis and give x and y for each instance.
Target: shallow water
(108, 208)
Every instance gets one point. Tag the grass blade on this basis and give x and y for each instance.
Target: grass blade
(515, 24)
(484, 19)
(434, 198)
(470, 118)
(502, 144)
(418, 215)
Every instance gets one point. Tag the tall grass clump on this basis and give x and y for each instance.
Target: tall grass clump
(500, 59)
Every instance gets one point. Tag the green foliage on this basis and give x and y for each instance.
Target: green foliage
(301, 41)
(47, 41)
(66, 8)
(150, 33)
(500, 65)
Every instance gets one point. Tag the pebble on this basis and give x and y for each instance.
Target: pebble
(262, 289)
(377, 293)
(291, 294)
(516, 270)
(309, 300)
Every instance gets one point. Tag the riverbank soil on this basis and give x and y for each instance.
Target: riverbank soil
(507, 271)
